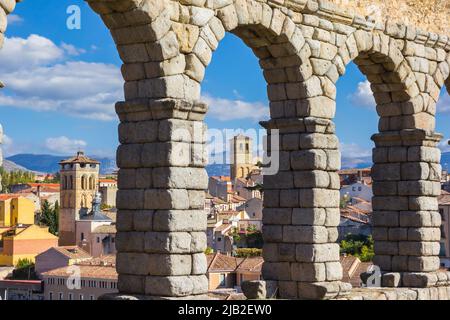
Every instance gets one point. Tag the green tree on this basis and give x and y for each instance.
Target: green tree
(14, 177)
(360, 246)
(24, 270)
(209, 250)
(49, 216)
(248, 252)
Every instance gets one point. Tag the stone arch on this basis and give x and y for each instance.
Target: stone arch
(406, 94)
(400, 102)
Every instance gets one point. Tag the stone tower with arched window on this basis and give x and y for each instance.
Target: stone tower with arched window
(241, 157)
(79, 177)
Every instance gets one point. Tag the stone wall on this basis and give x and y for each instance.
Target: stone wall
(431, 15)
(303, 48)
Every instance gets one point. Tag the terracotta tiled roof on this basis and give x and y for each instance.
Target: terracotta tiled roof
(220, 262)
(223, 227)
(251, 264)
(217, 200)
(352, 268)
(106, 229)
(108, 260)
(97, 272)
(7, 196)
(444, 198)
(107, 181)
(72, 252)
(79, 158)
(235, 198)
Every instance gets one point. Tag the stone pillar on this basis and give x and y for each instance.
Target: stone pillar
(161, 222)
(406, 221)
(301, 210)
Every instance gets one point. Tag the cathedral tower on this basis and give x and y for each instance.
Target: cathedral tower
(241, 157)
(79, 178)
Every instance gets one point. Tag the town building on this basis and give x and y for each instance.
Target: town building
(79, 177)
(96, 231)
(358, 189)
(226, 272)
(350, 176)
(220, 186)
(24, 242)
(108, 190)
(15, 209)
(354, 221)
(96, 279)
(251, 214)
(251, 187)
(21, 290)
(58, 257)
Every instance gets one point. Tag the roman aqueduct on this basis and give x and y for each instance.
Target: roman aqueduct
(303, 47)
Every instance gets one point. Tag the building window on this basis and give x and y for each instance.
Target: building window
(50, 295)
(92, 297)
(98, 239)
(82, 236)
(70, 296)
(61, 296)
(81, 297)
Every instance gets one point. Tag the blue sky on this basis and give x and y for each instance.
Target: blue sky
(61, 86)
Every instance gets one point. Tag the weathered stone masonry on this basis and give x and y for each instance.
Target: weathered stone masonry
(303, 48)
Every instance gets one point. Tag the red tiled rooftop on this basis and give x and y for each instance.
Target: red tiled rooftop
(86, 271)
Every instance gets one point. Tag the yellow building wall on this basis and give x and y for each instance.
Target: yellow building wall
(16, 211)
(5, 213)
(22, 211)
(26, 244)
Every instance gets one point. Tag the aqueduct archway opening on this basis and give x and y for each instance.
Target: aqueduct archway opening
(303, 47)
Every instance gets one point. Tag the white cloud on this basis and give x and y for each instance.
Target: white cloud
(18, 53)
(363, 97)
(443, 105)
(14, 19)
(353, 150)
(71, 50)
(226, 109)
(64, 145)
(37, 77)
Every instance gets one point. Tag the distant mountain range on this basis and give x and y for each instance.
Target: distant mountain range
(49, 163)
